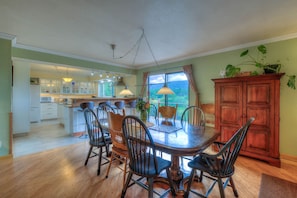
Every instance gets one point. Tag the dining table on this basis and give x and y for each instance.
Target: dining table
(182, 141)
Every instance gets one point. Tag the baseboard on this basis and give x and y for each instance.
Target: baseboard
(288, 159)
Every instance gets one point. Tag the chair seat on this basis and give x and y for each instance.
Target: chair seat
(100, 142)
(148, 162)
(119, 151)
(200, 163)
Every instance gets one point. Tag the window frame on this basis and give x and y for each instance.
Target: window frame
(166, 98)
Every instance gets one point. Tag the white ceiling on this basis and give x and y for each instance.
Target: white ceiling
(174, 29)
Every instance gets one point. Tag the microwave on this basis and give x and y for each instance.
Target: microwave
(34, 81)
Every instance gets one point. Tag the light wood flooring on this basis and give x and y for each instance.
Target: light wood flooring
(61, 172)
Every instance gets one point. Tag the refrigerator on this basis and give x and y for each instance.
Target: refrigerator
(34, 103)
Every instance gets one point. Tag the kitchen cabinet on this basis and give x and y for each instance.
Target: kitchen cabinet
(50, 86)
(60, 87)
(34, 103)
(78, 88)
(48, 111)
(239, 98)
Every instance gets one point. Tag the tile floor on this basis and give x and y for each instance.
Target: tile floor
(43, 136)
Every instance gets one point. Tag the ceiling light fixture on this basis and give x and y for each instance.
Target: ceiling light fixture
(67, 78)
(126, 92)
(164, 89)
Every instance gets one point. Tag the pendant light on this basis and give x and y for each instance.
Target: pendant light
(67, 78)
(126, 92)
(165, 90)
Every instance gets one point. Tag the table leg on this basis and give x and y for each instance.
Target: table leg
(178, 176)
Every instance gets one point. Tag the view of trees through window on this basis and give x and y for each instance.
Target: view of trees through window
(177, 82)
(105, 89)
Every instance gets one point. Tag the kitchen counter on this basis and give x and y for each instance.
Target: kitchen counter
(75, 102)
(71, 115)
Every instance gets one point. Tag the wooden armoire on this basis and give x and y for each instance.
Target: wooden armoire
(239, 98)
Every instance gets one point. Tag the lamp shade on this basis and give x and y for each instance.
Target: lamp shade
(126, 92)
(165, 90)
(67, 79)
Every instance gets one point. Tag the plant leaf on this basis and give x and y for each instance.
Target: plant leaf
(231, 70)
(260, 65)
(291, 82)
(262, 49)
(244, 53)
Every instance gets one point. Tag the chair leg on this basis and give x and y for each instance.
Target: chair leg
(125, 170)
(150, 190)
(126, 185)
(186, 195)
(201, 176)
(110, 162)
(99, 161)
(233, 187)
(108, 154)
(89, 153)
(220, 183)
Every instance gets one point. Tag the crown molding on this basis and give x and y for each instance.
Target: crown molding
(236, 47)
(27, 47)
(8, 37)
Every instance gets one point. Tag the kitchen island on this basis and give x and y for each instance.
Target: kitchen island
(71, 115)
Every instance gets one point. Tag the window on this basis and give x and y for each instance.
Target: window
(177, 82)
(105, 89)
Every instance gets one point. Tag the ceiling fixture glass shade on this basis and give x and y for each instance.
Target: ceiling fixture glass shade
(165, 90)
(126, 92)
(67, 79)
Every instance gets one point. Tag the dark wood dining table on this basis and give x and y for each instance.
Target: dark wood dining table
(186, 141)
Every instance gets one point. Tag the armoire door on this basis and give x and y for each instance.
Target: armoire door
(228, 109)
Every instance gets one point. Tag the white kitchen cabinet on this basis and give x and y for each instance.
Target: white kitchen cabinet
(21, 98)
(50, 86)
(78, 87)
(48, 111)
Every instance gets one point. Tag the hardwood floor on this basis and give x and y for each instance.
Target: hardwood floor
(61, 172)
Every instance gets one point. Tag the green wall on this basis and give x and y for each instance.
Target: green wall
(208, 67)
(5, 97)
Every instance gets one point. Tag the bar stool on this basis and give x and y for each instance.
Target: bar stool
(132, 107)
(120, 105)
(90, 105)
